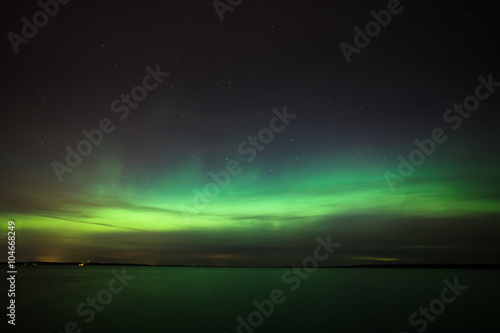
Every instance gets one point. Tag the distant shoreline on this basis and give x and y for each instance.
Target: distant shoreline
(415, 266)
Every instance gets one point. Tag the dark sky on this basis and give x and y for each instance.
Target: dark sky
(252, 136)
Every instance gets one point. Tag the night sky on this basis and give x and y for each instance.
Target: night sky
(200, 141)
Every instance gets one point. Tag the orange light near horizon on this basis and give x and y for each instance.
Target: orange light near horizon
(48, 259)
(222, 256)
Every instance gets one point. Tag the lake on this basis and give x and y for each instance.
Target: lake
(197, 299)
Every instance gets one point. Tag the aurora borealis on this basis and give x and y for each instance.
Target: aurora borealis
(322, 173)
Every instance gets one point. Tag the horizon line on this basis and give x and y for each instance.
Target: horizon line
(426, 265)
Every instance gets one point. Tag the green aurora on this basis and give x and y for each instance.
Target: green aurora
(255, 204)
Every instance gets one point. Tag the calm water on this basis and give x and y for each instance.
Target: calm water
(166, 299)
